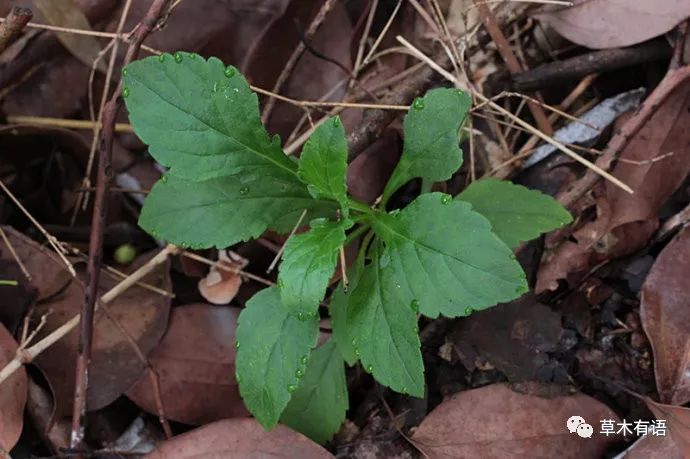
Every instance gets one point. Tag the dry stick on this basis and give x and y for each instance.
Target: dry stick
(63, 123)
(282, 248)
(519, 121)
(621, 138)
(223, 267)
(52, 240)
(13, 25)
(296, 54)
(14, 254)
(110, 111)
(511, 62)
(30, 353)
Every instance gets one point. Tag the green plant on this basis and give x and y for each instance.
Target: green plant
(229, 181)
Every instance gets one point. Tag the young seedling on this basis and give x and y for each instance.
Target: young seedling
(229, 181)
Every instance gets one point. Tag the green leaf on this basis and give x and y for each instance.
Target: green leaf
(201, 119)
(338, 310)
(430, 148)
(272, 345)
(383, 330)
(223, 211)
(444, 258)
(323, 163)
(317, 408)
(308, 263)
(516, 213)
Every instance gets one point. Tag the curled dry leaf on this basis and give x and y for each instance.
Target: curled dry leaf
(665, 318)
(220, 285)
(654, 164)
(494, 421)
(612, 23)
(677, 420)
(115, 366)
(12, 394)
(239, 439)
(195, 364)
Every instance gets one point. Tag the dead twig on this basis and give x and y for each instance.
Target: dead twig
(296, 54)
(13, 25)
(110, 110)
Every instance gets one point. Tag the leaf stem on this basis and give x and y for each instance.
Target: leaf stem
(355, 234)
(360, 206)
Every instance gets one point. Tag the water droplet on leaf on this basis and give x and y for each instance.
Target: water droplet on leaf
(244, 190)
(161, 58)
(415, 329)
(468, 310)
(415, 305)
(301, 316)
(403, 390)
(354, 341)
(292, 388)
(299, 373)
(125, 92)
(237, 344)
(125, 71)
(229, 72)
(370, 368)
(357, 352)
(446, 198)
(178, 57)
(336, 122)
(164, 179)
(281, 284)
(215, 87)
(418, 103)
(193, 56)
(304, 360)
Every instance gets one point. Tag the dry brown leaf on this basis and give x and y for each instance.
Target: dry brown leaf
(66, 13)
(677, 420)
(239, 439)
(653, 447)
(12, 394)
(195, 363)
(612, 23)
(495, 422)
(654, 164)
(115, 366)
(665, 318)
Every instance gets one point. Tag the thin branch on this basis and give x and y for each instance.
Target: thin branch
(13, 25)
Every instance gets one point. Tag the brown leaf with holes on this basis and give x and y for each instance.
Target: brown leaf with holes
(239, 439)
(494, 421)
(613, 23)
(677, 420)
(665, 315)
(195, 363)
(654, 164)
(115, 366)
(12, 394)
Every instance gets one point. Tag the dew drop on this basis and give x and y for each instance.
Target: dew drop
(125, 92)
(193, 56)
(244, 190)
(281, 284)
(161, 58)
(154, 233)
(446, 198)
(512, 256)
(403, 390)
(357, 352)
(354, 341)
(415, 329)
(299, 373)
(468, 311)
(304, 360)
(415, 305)
(178, 57)
(125, 71)
(229, 72)
(418, 103)
(283, 188)
(237, 344)
(237, 378)
(164, 179)
(397, 285)
(215, 87)
(292, 388)
(236, 90)
(301, 316)
(370, 368)
(336, 122)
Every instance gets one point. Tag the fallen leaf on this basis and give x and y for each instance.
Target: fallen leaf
(239, 439)
(220, 285)
(12, 394)
(677, 420)
(66, 13)
(654, 164)
(115, 366)
(612, 23)
(665, 318)
(195, 363)
(652, 447)
(515, 337)
(493, 421)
